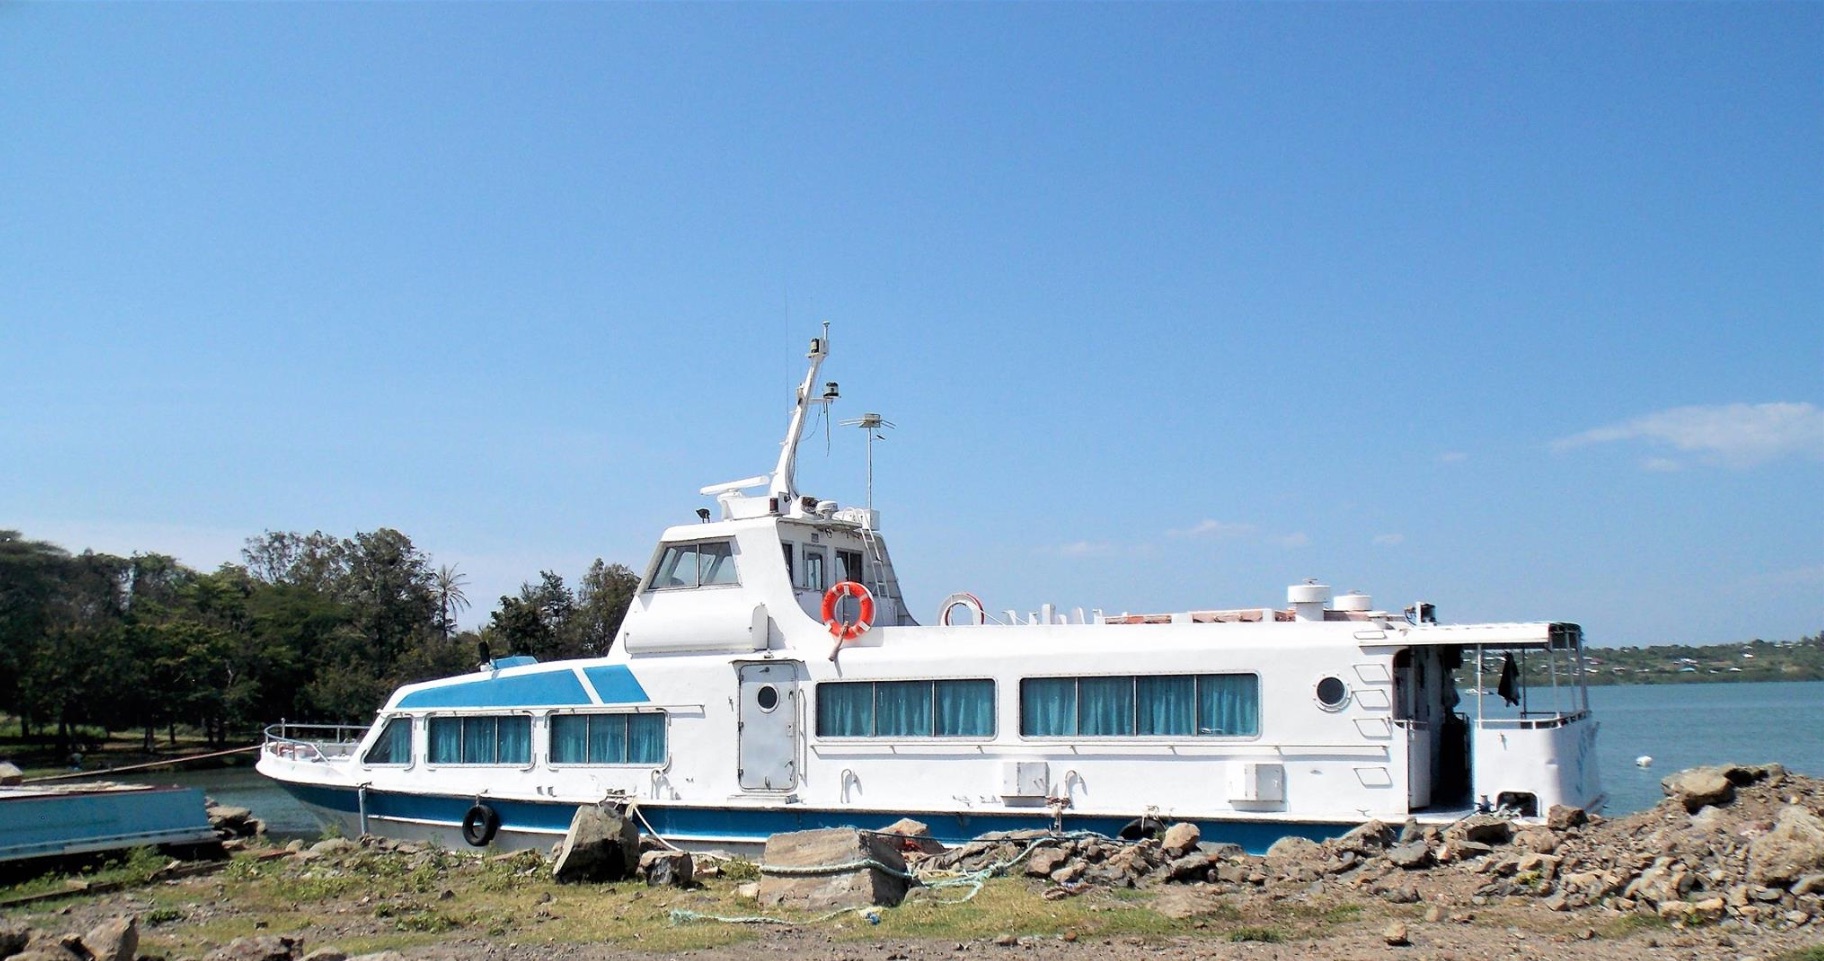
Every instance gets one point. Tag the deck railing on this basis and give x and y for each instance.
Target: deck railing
(312, 742)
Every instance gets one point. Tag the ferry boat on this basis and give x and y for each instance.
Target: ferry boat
(769, 677)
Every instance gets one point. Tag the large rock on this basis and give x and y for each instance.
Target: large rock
(1043, 861)
(116, 940)
(1793, 849)
(1700, 786)
(668, 868)
(10, 775)
(1292, 847)
(1411, 855)
(831, 868)
(13, 939)
(913, 835)
(1180, 839)
(266, 947)
(601, 845)
(1483, 829)
(1368, 837)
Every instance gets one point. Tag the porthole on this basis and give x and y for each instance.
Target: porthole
(767, 697)
(1332, 693)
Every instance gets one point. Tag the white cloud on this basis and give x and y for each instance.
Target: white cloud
(1732, 435)
(1390, 539)
(1452, 457)
(1663, 465)
(1084, 549)
(1213, 528)
(1295, 539)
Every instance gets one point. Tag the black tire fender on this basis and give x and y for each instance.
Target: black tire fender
(1142, 827)
(480, 825)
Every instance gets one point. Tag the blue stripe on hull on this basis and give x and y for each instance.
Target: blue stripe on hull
(755, 825)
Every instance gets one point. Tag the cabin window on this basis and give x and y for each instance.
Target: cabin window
(707, 564)
(790, 551)
(813, 569)
(906, 709)
(848, 566)
(481, 740)
(1178, 705)
(394, 745)
(608, 738)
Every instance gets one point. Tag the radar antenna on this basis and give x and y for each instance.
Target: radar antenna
(872, 423)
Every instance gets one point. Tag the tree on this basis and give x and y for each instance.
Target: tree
(602, 600)
(446, 587)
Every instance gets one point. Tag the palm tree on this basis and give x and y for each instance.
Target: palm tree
(446, 584)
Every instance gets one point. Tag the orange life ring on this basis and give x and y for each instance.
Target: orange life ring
(853, 629)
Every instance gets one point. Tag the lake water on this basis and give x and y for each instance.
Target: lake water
(1678, 725)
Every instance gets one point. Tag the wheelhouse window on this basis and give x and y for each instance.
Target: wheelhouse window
(1175, 705)
(963, 708)
(481, 740)
(705, 564)
(608, 738)
(394, 746)
(848, 566)
(814, 579)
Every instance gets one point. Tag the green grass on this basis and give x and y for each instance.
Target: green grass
(1813, 953)
(1258, 934)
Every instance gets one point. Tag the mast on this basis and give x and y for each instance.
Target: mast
(784, 485)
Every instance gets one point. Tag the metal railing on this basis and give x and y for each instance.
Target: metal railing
(312, 742)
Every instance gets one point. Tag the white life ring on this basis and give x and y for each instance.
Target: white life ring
(967, 601)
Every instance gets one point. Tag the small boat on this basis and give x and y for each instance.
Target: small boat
(49, 821)
(769, 677)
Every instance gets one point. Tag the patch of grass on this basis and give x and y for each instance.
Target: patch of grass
(162, 915)
(1630, 923)
(133, 868)
(741, 870)
(1813, 953)
(1257, 934)
(1011, 906)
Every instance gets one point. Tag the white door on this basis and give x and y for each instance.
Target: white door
(768, 752)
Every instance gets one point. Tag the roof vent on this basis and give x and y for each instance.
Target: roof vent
(1354, 601)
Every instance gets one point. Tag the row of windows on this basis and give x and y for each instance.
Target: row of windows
(906, 709)
(507, 739)
(712, 564)
(1176, 705)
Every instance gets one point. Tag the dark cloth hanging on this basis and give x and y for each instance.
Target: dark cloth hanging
(1509, 688)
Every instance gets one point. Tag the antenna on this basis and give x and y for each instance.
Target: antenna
(873, 424)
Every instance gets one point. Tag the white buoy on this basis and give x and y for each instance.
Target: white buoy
(1645, 760)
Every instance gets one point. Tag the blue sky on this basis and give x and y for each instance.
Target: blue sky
(1518, 309)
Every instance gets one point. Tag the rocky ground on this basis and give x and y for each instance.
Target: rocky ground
(1729, 867)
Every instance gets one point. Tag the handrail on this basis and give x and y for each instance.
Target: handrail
(279, 742)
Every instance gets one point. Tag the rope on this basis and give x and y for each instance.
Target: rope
(973, 880)
(140, 767)
(846, 867)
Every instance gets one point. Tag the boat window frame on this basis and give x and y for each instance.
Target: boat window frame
(1260, 709)
(460, 716)
(553, 763)
(732, 559)
(994, 708)
(410, 751)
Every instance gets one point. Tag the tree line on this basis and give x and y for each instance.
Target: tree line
(309, 627)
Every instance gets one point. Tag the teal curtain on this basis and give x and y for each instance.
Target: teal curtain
(478, 740)
(645, 738)
(394, 746)
(515, 740)
(964, 709)
(1228, 704)
(1105, 706)
(1168, 705)
(1048, 706)
(902, 709)
(608, 739)
(569, 739)
(845, 710)
(446, 740)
